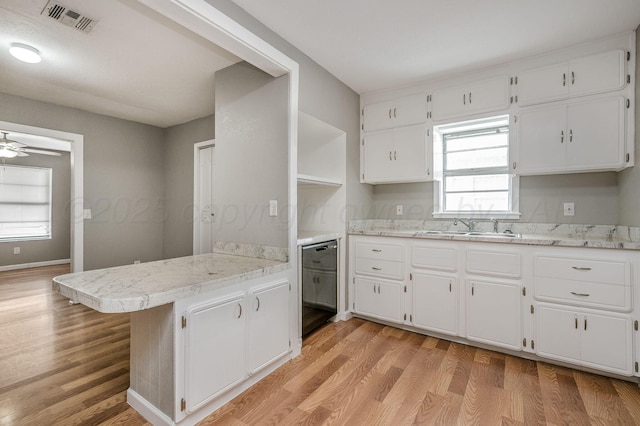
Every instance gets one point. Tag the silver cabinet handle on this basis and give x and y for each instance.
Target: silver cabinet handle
(464, 98)
(570, 135)
(585, 323)
(376, 269)
(449, 286)
(258, 299)
(580, 294)
(564, 79)
(394, 113)
(469, 97)
(576, 321)
(573, 78)
(394, 155)
(561, 136)
(379, 292)
(376, 250)
(239, 313)
(390, 155)
(389, 113)
(578, 268)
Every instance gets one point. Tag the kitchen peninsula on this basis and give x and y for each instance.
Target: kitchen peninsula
(203, 328)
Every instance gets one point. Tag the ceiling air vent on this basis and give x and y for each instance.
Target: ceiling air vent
(69, 17)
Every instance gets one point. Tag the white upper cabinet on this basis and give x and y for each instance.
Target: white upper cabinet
(589, 75)
(398, 155)
(572, 137)
(473, 98)
(399, 112)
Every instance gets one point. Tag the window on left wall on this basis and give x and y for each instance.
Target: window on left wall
(25, 203)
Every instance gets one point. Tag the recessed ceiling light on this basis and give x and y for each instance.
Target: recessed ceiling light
(25, 53)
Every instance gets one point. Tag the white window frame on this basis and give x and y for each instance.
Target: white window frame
(49, 202)
(439, 133)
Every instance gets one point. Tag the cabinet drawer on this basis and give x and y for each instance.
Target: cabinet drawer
(379, 251)
(494, 263)
(442, 259)
(583, 270)
(379, 268)
(615, 297)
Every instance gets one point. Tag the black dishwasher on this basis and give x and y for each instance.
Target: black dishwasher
(319, 284)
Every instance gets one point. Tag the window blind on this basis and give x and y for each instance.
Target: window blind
(25, 202)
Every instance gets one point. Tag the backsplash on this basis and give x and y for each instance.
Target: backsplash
(249, 250)
(577, 231)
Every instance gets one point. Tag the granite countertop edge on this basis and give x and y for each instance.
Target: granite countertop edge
(128, 288)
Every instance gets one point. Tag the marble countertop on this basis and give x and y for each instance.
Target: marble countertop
(146, 285)
(312, 237)
(594, 236)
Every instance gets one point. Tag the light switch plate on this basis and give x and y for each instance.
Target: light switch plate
(273, 207)
(399, 210)
(569, 209)
(86, 214)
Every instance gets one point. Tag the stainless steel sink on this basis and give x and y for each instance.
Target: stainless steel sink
(472, 233)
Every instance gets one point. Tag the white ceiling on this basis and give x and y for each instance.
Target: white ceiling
(379, 44)
(134, 64)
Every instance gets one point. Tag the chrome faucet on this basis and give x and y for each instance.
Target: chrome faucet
(495, 224)
(468, 224)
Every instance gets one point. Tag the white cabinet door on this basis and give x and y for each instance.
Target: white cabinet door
(215, 349)
(390, 301)
(606, 342)
(403, 111)
(542, 140)
(544, 84)
(595, 340)
(398, 155)
(596, 135)
(488, 95)
(435, 303)
(604, 72)
(380, 299)
(481, 96)
(557, 334)
(449, 102)
(366, 296)
(597, 73)
(494, 314)
(378, 157)
(410, 154)
(268, 324)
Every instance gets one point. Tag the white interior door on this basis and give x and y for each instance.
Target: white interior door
(204, 217)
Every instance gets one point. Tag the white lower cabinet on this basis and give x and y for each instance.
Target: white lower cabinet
(229, 338)
(268, 325)
(584, 337)
(494, 313)
(380, 299)
(215, 349)
(580, 302)
(435, 303)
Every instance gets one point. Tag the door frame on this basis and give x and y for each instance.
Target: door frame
(197, 147)
(76, 149)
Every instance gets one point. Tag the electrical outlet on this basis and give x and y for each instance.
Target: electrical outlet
(273, 207)
(16, 250)
(86, 214)
(569, 209)
(399, 210)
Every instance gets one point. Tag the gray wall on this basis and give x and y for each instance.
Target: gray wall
(629, 180)
(323, 96)
(123, 179)
(251, 156)
(58, 247)
(178, 183)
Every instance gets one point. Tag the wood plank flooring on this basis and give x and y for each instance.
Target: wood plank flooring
(68, 365)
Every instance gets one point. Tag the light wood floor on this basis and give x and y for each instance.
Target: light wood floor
(67, 365)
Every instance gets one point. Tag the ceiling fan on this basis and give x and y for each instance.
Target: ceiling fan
(11, 149)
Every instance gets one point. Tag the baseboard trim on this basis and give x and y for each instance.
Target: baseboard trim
(34, 265)
(147, 410)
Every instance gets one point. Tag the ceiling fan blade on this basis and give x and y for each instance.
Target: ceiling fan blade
(41, 151)
(16, 144)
